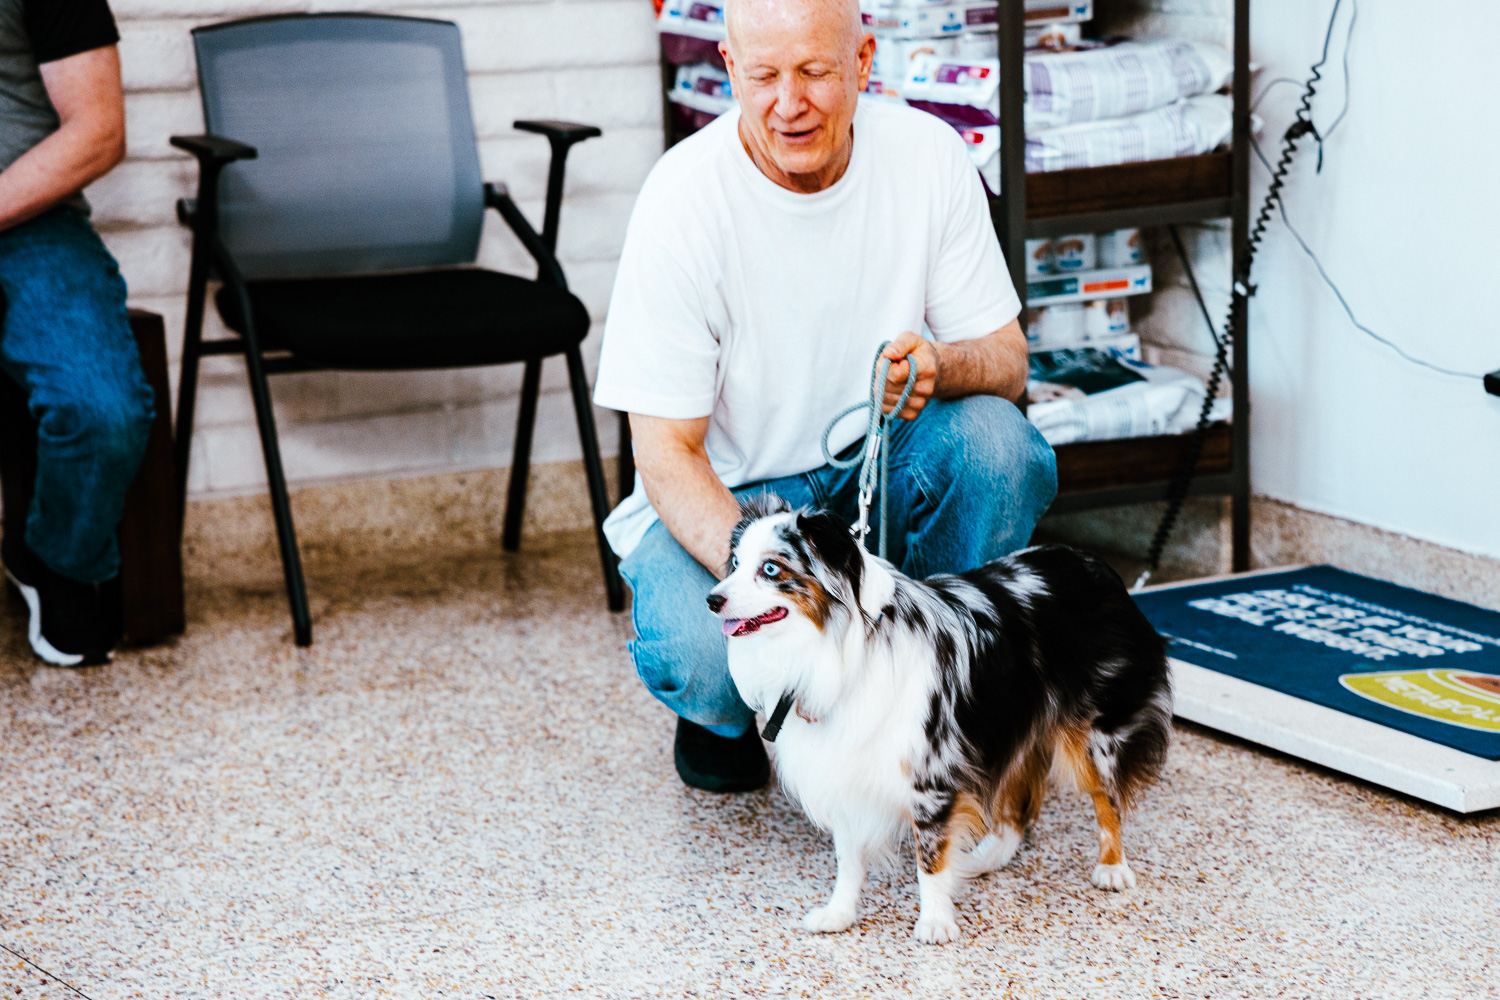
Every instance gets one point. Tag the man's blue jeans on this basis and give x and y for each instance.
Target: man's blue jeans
(968, 478)
(66, 340)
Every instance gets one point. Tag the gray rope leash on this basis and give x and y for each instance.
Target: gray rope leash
(875, 457)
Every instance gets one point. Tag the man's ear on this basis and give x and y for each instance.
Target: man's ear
(835, 547)
(866, 56)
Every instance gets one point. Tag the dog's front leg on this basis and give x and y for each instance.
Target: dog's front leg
(937, 877)
(842, 906)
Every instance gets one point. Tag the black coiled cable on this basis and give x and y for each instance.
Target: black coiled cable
(1301, 126)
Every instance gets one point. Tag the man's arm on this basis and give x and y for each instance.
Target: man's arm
(696, 507)
(85, 89)
(992, 365)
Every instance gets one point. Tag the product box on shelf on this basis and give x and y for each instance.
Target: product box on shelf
(980, 15)
(702, 87)
(913, 18)
(694, 18)
(1104, 283)
(691, 30)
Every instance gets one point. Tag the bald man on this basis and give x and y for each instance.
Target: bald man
(767, 258)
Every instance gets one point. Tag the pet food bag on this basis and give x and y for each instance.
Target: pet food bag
(1115, 81)
(1096, 395)
(1187, 128)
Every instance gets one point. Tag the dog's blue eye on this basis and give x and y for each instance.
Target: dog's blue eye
(770, 569)
(734, 563)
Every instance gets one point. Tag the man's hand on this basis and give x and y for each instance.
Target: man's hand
(992, 365)
(905, 351)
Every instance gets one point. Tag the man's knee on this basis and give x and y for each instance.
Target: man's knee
(106, 419)
(673, 641)
(993, 448)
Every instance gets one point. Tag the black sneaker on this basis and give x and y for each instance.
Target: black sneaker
(72, 624)
(720, 763)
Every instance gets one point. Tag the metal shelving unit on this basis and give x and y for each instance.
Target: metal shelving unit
(1188, 189)
(1155, 193)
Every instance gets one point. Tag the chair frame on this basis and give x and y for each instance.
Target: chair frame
(210, 256)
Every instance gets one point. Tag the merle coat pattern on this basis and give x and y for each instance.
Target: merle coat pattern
(941, 707)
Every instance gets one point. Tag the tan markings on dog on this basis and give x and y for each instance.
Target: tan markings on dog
(802, 714)
(1018, 797)
(809, 596)
(968, 820)
(932, 851)
(906, 769)
(1073, 744)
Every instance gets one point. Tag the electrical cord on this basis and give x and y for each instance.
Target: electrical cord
(1301, 126)
(1241, 290)
(1344, 302)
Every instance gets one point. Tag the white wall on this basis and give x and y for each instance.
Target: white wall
(1406, 218)
(587, 60)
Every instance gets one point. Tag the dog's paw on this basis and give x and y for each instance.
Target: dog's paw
(1113, 876)
(936, 928)
(828, 919)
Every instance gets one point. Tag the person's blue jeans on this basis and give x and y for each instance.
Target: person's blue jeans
(66, 340)
(969, 479)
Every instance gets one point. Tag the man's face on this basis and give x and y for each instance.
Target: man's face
(798, 67)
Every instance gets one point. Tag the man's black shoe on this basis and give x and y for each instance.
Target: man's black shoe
(72, 624)
(720, 763)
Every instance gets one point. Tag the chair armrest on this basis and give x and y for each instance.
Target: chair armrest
(496, 196)
(213, 148)
(569, 132)
(561, 136)
(214, 153)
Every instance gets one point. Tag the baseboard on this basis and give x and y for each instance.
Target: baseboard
(1282, 534)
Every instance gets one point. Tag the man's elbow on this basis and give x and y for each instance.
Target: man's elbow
(109, 143)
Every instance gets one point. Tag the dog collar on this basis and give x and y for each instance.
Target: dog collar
(773, 724)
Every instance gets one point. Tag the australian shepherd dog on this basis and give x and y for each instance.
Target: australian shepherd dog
(940, 706)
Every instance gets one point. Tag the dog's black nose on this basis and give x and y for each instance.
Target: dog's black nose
(715, 602)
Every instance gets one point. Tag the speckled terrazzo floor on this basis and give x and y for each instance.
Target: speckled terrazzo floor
(461, 791)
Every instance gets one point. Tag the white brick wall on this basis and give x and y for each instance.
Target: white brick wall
(591, 61)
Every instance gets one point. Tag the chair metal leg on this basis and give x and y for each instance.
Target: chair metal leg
(520, 459)
(281, 505)
(589, 437)
(626, 458)
(187, 379)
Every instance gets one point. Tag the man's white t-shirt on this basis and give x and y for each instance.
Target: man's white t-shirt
(761, 308)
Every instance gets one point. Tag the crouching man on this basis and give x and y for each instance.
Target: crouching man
(767, 258)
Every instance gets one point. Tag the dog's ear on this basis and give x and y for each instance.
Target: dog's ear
(835, 547)
(753, 507)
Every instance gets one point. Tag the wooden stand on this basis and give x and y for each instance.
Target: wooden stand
(150, 540)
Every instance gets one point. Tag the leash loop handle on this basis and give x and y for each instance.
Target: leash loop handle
(874, 459)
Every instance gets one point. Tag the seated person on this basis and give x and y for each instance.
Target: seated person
(767, 258)
(66, 338)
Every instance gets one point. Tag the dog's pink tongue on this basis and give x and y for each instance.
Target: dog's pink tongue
(732, 625)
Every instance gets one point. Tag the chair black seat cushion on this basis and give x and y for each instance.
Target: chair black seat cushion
(425, 319)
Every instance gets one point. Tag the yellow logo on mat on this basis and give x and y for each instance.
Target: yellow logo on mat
(1457, 697)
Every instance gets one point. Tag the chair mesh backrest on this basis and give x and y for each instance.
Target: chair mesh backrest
(367, 157)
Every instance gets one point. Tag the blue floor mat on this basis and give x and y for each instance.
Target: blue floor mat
(1425, 665)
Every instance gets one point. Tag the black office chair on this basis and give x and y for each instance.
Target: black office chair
(339, 200)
